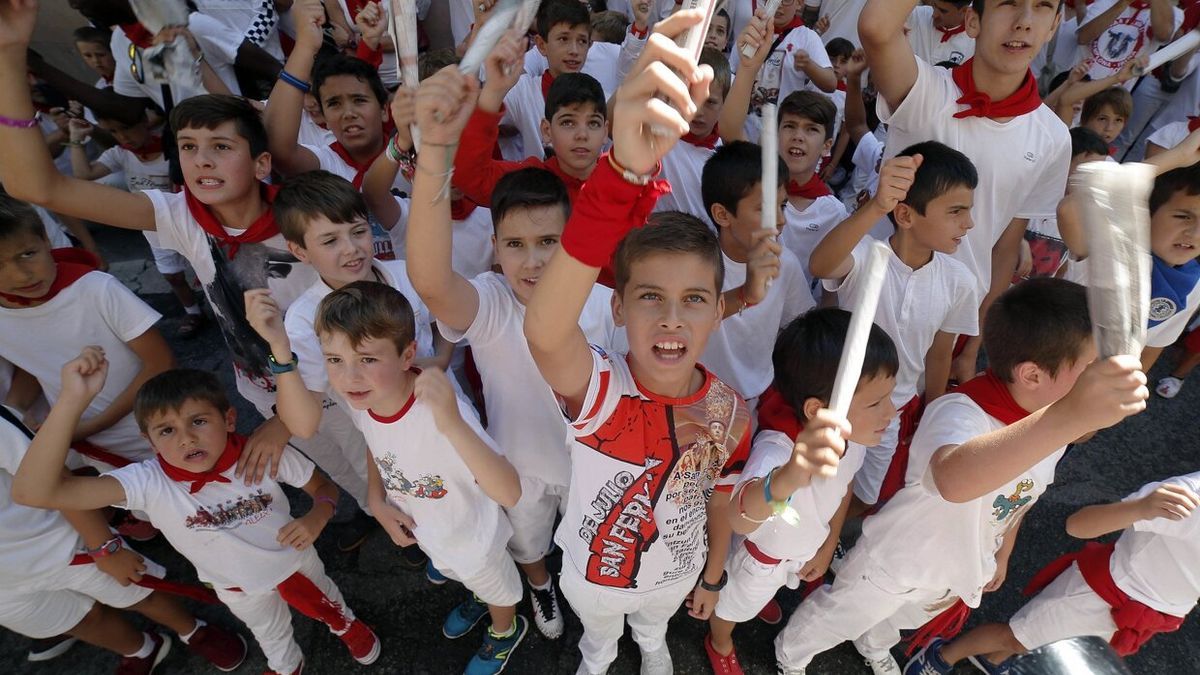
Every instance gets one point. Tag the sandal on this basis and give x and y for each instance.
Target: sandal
(189, 325)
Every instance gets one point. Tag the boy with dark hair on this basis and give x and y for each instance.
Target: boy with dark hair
(981, 457)
(608, 26)
(92, 43)
(190, 492)
(774, 552)
(927, 298)
(435, 473)
(937, 32)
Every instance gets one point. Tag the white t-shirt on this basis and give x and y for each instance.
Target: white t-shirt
(815, 504)
(302, 314)
(1129, 36)
(913, 306)
(683, 168)
(1172, 320)
(32, 541)
(462, 17)
(219, 44)
(226, 530)
(264, 265)
(523, 413)
(803, 230)
(739, 351)
(1170, 135)
(313, 134)
(423, 475)
(927, 41)
(1022, 163)
(471, 240)
(243, 16)
(601, 63)
(524, 109)
(779, 75)
(642, 470)
(918, 526)
(843, 17)
(868, 159)
(140, 175)
(1155, 560)
(95, 310)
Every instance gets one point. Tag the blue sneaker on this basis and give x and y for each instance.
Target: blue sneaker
(433, 575)
(929, 660)
(463, 618)
(983, 665)
(493, 656)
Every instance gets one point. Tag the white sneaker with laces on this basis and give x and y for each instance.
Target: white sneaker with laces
(657, 662)
(885, 666)
(546, 613)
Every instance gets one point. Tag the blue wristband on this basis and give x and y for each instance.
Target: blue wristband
(294, 81)
(767, 486)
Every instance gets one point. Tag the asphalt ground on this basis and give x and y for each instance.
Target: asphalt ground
(407, 611)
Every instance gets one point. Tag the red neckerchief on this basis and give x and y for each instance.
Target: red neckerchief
(774, 414)
(841, 85)
(709, 141)
(70, 265)
(948, 33)
(1024, 100)
(574, 185)
(260, 230)
(1193, 124)
(229, 456)
(991, 394)
(360, 168)
(138, 35)
(152, 146)
(547, 80)
(815, 188)
(462, 208)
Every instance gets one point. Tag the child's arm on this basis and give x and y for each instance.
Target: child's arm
(448, 295)
(81, 166)
(889, 54)
(758, 34)
(124, 566)
(1186, 153)
(443, 352)
(1167, 501)
(720, 533)
(822, 76)
(855, 123)
(1089, 32)
(494, 475)
(816, 568)
(1003, 556)
(301, 532)
(839, 150)
(1162, 19)
(1107, 392)
(1070, 227)
(832, 258)
(395, 522)
(937, 365)
(283, 113)
(763, 266)
(1083, 90)
(41, 481)
(25, 166)
(298, 408)
(378, 181)
(156, 357)
(106, 103)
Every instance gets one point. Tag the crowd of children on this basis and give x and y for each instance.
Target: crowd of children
(535, 307)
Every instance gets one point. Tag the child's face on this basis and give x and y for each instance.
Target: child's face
(565, 48)
(26, 267)
(736, 234)
(871, 410)
(370, 375)
(131, 137)
(352, 113)
(97, 57)
(1107, 123)
(839, 67)
(1011, 32)
(217, 165)
(786, 12)
(946, 221)
(1175, 229)
(669, 307)
(946, 15)
(718, 34)
(576, 132)
(192, 437)
(802, 143)
(524, 241)
(707, 114)
(340, 252)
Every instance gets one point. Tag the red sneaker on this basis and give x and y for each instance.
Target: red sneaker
(299, 669)
(130, 665)
(721, 664)
(224, 649)
(137, 530)
(362, 642)
(772, 613)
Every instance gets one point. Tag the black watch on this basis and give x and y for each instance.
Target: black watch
(715, 588)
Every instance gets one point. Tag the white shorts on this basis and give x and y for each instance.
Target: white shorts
(752, 583)
(1068, 607)
(54, 603)
(166, 261)
(876, 462)
(496, 583)
(533, 519)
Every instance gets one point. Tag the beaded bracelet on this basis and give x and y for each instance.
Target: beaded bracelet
(742, 506)
(294, 81)
(14, 123)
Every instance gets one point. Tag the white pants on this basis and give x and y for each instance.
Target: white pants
(497, 583)
(54, 603)
(864, 605)
(603, 612)
(1068, 607)
(532, 519)
(269, 618)
(752, 583)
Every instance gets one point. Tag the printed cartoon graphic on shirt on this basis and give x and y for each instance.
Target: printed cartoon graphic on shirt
(1121, 41)
(394, 481)
(232, 513)
(1005, 506)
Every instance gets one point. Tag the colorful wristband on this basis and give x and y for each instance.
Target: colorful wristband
(18, 124)
(326, 500)
(296, 82)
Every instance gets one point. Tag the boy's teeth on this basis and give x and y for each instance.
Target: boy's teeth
(669, 345)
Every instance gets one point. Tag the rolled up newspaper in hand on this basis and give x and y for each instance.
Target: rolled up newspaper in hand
(402, 26)
(770, 8)
(862, 317)
(503, 14)
(692, 39)
(1170, 52)
(770, 167)
(1116, 220)
(170, 63)
(526, 14)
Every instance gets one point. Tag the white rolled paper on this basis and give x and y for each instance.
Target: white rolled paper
(770, 168)
(503, 15)
(692, 40)
(1170, 52)
(402, 26)
(772, 6)
(525, 16)
(862, 317)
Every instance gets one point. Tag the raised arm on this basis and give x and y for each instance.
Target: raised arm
(379, 179)
(284, 107)
(104, 102)
(298, 408)
(1090, 31)
(1082, 91)
(81, 166)
(856, 107)
(1162, 19)
(1167, 501)
(156, 357)
(889, 54)
(758, 34)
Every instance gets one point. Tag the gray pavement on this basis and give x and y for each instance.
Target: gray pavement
(407, 611)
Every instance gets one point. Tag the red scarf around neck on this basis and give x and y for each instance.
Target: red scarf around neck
(360, 168)
(229, 456)
(948, 33)
(547, 80)
(462, 208)
(709, 141)
(991, 394)
(138, 35)
(1193, 124)
(815, 188)
(70, 265)
(152, 146)
(774, 414)
(262, 229)
(1022, 101)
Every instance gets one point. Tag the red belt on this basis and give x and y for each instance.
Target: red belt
(757, 553)
(89, 449)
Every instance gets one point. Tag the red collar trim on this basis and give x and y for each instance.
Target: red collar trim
(686, 400)
(709, 141)
(392, 419)
(948, 33)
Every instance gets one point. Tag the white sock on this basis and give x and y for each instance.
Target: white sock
(194, 310)
(199, 624)
(146, 650)
(542, 587)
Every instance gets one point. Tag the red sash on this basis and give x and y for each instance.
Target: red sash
(193, 591)
(229, 456)
(945, 625)
(910, 415)
(775, 414)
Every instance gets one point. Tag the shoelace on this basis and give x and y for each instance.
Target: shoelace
(543, 601)
(885, 664)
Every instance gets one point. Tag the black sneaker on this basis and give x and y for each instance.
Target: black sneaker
(413, 557)
(546, 614)
(50, 648)
(352, 533)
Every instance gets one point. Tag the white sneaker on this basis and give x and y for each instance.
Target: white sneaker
(885, 666)
(657, 662)
(546, 613)
(784, 670)
(1168, 387)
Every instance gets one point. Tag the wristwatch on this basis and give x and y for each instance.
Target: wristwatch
(715, 588)
(278, 368)
(107, 548)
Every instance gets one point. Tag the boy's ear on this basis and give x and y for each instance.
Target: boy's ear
(618, 310)
(409, 355)
(720, 215)
(231, 419)
(544, 127)
(262, 166)
(903, 215)
(1028, 375)
(299, 251)
(972, 22)
(827, 148)
(811, 405)
(540, 43)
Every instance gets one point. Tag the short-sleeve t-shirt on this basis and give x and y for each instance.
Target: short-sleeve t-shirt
(918, 525)
(471, 239)
(642, 470)
(140, 175)
(1155, 560)
(1172, 319)
(219, 44)
(779, 75)
(256, 20)
(1022, 163)
(803, 230)
(1127, 37)
(929, 43)
(226, 530)
(95, 310)
(683, 168)
(329, 160)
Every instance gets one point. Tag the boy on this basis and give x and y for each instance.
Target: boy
(190, 493)
(774, 552)
(927, 297)
(50, 588)
(1106, 113)
(764, 283)
(1020, 149)
(1124, 592)
(93, 46)
(658, 440)
(718, 31)
(435, 473)
(938, 32)
(981, 457)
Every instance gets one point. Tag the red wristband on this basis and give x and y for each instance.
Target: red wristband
(607, 208)
(371, 56)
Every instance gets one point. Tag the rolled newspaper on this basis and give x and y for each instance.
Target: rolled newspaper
(402, 26)
(1117, 225)
(770, 8)
(862, 317)
(770, 168)
(503, 14)
(692, 39)
(526, 14)
(170, 63)
(1170, 52)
